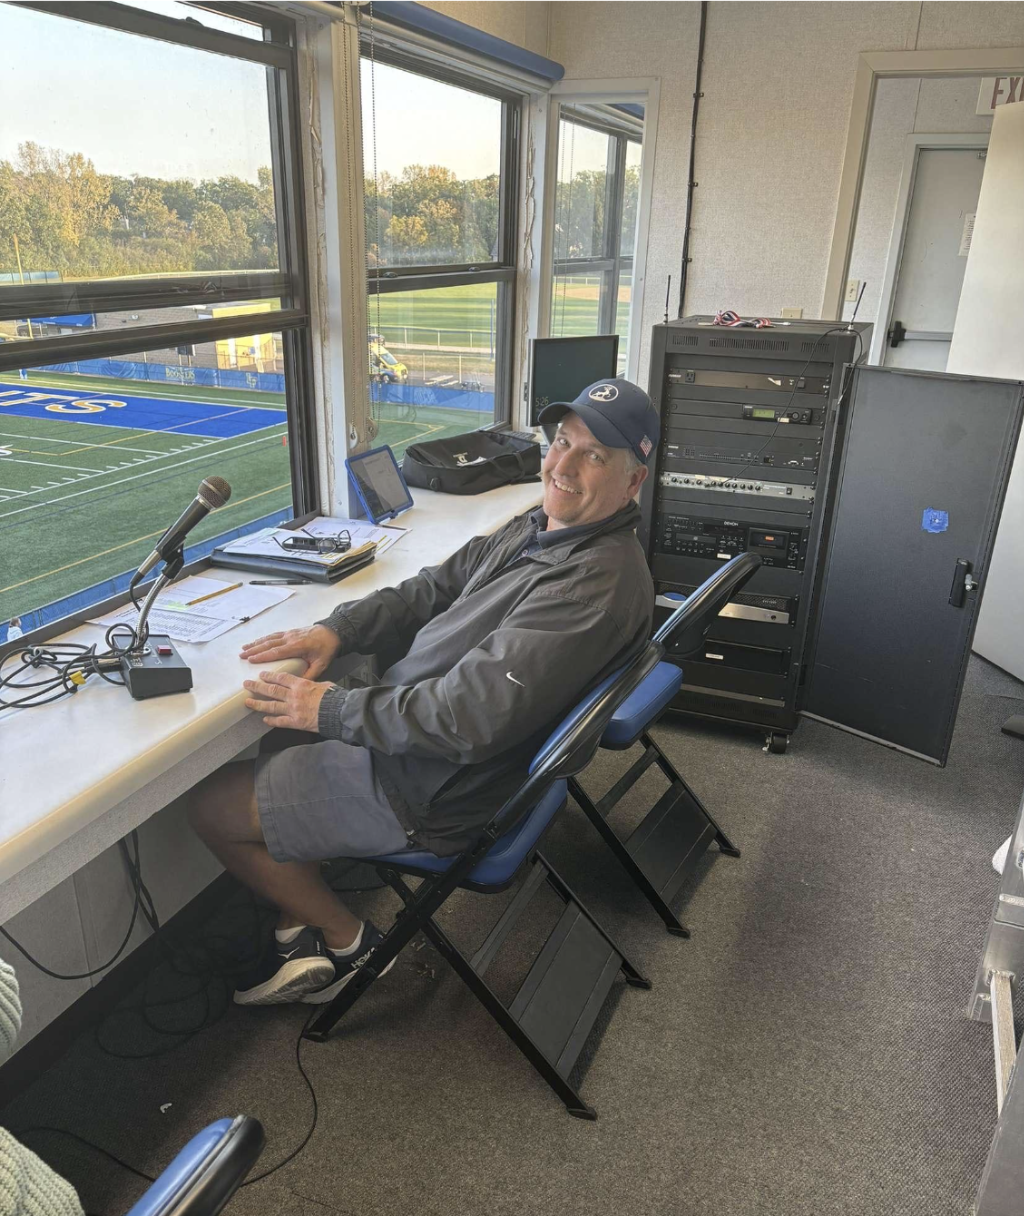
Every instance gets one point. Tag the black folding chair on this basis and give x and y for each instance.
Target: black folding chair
(562, 995)
(664, 848)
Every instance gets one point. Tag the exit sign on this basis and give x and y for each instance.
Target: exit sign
(999, 91)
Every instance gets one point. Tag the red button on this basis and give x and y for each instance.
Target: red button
(164, 650)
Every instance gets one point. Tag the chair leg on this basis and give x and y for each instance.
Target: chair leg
(633, 976)
(669, 769)
(574, 1104)
(404, 929)
(622, 854)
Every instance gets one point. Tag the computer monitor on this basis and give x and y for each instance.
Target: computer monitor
(561, 368)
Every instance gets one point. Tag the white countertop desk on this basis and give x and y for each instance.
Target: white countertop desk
(79, 774)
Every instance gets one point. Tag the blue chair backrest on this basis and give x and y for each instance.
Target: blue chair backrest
(685, 629)
(571, 745)
(207, 1171)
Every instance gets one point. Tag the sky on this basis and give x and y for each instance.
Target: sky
(425, 122)
(136, 105)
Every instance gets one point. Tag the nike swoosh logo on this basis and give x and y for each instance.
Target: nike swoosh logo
(510, 676)
(290, 953)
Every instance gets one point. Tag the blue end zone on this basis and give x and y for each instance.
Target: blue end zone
(102, 408)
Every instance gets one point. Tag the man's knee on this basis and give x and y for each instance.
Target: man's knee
(223, 805)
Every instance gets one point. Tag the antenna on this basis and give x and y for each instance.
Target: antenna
(860, 296)
(668, 292)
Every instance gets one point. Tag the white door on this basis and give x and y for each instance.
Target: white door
(931, 270)
(987, 342)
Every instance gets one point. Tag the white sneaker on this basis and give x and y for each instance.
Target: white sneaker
(1000, 855)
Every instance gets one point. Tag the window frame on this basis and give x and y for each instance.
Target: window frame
(612, 262)
(397, 279)
(289, 283)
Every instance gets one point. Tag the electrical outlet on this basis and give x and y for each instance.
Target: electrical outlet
(852, 288)
(794, 313)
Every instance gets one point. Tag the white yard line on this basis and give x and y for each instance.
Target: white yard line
(56, 468)
(76, 443)
(110, 485)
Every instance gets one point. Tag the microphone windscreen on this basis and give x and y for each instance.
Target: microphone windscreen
(214, 491)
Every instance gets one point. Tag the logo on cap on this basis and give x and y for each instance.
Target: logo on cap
(606, 392)
(645, 446)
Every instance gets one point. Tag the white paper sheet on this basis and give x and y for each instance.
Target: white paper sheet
(181, 625)
(186, 621)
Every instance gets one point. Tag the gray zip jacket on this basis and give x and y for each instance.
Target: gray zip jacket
(485, 653)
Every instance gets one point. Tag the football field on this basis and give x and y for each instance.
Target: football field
(93, 470)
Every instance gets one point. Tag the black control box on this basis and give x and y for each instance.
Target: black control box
(155, 670)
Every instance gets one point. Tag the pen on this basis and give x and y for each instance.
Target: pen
(229, 587)
(278, 582)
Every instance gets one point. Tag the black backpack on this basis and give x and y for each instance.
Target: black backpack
(472, 463)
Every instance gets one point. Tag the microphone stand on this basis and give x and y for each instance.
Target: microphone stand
(151, 666)
(172, 568)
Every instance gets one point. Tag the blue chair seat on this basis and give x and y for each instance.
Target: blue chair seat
(642, 706)
(503, 858)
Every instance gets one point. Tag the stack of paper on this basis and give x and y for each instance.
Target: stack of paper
(200, 609)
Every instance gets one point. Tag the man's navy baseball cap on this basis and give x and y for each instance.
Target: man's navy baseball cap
(617, 414)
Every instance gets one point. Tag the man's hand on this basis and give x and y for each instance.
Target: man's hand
(317, 645)
(286, 700)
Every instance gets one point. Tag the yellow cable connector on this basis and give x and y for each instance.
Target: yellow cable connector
(77, 677)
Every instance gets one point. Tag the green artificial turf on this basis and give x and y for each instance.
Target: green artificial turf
(86, 502)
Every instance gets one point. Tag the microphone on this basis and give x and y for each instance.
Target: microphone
(213, 492)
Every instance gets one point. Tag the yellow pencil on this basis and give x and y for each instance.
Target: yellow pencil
(230, 587)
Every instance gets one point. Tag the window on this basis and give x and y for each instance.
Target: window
(596, 201)
(153, 313)
(439, 160)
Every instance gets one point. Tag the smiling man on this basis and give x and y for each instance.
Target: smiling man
(482, 656)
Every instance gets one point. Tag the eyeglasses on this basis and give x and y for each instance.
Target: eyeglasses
(308, 543)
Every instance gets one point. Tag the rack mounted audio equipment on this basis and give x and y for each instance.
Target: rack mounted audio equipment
(872, 495)
(749, 425)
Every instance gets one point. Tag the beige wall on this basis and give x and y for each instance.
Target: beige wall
(525, 24)
(778, 85)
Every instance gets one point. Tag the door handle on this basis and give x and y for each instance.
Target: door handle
(963, 581)
(896, 334)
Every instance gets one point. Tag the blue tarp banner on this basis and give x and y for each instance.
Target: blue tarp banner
(271, 382)
(72, 320)
(441, 398)
(167, 373)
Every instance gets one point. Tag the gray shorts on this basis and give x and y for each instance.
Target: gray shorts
(322, 800)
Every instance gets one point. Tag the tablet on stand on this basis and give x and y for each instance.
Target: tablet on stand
(378, 483)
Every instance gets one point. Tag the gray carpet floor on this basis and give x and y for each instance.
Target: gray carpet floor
(807, 1051)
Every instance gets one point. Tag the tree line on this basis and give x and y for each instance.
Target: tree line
(67, 217)
(425, 215)
(60, 214)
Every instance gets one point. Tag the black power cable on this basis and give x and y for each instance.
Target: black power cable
(69, 664)
(204, 963)
(60, 1131)
(84, 975)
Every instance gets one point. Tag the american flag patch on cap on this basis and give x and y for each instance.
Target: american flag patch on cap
(645, 446)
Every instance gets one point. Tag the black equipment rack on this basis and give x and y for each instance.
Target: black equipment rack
(750, 423)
